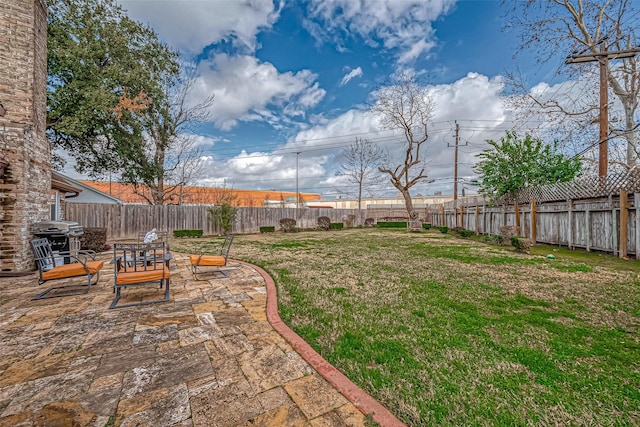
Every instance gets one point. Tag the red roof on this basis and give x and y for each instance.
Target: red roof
(196, 195)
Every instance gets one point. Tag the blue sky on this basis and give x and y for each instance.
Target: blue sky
(297, 76)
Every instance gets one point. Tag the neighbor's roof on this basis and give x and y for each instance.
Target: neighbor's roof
(197, 195)
(62, 183)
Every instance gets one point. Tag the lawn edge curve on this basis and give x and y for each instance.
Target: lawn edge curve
(360, 399)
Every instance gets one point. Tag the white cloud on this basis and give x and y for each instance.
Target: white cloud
(190, 25)
(475, 101)
(402, 25)
(246, 89)
(356, 72)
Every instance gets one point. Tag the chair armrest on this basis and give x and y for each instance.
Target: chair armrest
(85, 253)
(210, 248)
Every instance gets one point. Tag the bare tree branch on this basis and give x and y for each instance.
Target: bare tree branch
(405, 105)
(579, 26)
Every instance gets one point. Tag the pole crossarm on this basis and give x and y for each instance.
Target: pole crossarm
(591, 57)
(603, 57)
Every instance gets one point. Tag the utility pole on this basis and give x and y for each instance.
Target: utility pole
(297, 192)
(603, 57)
(455, 172)
(455, 164)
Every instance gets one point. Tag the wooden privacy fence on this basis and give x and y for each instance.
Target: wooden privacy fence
(125, 221)
(609, 224)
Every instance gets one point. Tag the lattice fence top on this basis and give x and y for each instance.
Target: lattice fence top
(583, 188)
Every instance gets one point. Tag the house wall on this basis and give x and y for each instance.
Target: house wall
(26, 184)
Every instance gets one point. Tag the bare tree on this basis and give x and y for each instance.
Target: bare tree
(406, 105)
(584, 27)
(360, 166)
(168, 158)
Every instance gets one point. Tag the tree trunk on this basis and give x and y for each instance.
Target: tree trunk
(408, 203)
(631, 135)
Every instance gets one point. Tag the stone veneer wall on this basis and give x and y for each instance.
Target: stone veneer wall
(25, 188)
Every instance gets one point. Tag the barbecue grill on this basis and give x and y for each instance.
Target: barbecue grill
(62, 235)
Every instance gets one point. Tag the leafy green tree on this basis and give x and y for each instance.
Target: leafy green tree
(117, 100)
(96, 56)
(515, 163)
(167, 157)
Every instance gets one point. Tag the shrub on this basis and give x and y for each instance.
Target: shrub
(495, 239)
(443, 229)
(426, 225)
(369, 222)
(351, 220)
(223, 215)
(392, 224)
(267, 229)
(508, 231)
(465, 233)
(336, 226)
(522, 244)
(324, 222)
(187, 233)
(288, 225)
(94, 239)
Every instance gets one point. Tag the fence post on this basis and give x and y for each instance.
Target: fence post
(484, 220)
(462, 216)
(516, 208)
(504, 214)
(477, 218)
(636, 202)
(444, 218)
(624, 223)
(614, 227)
(534, 228)
(570, 223)
(587, 220)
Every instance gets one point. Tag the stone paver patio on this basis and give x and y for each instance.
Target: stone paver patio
(209, 357)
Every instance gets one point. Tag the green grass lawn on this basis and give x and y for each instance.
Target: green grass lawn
(448, 331)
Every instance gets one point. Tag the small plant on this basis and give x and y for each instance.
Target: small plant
(443, 229)
(288, 225)
(465, 233)
(426, 225)
(495, 239)
(336, 226)
(522, 244)
(223, 215)
(267, 229)
(324, 223)
(187, 233)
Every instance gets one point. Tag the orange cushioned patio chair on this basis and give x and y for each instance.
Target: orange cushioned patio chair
(139, 265)
(211, 255)
(51, 267)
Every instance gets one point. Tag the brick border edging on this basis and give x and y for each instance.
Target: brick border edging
(360, 399)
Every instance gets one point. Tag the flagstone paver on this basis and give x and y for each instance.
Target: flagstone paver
(209, 357)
